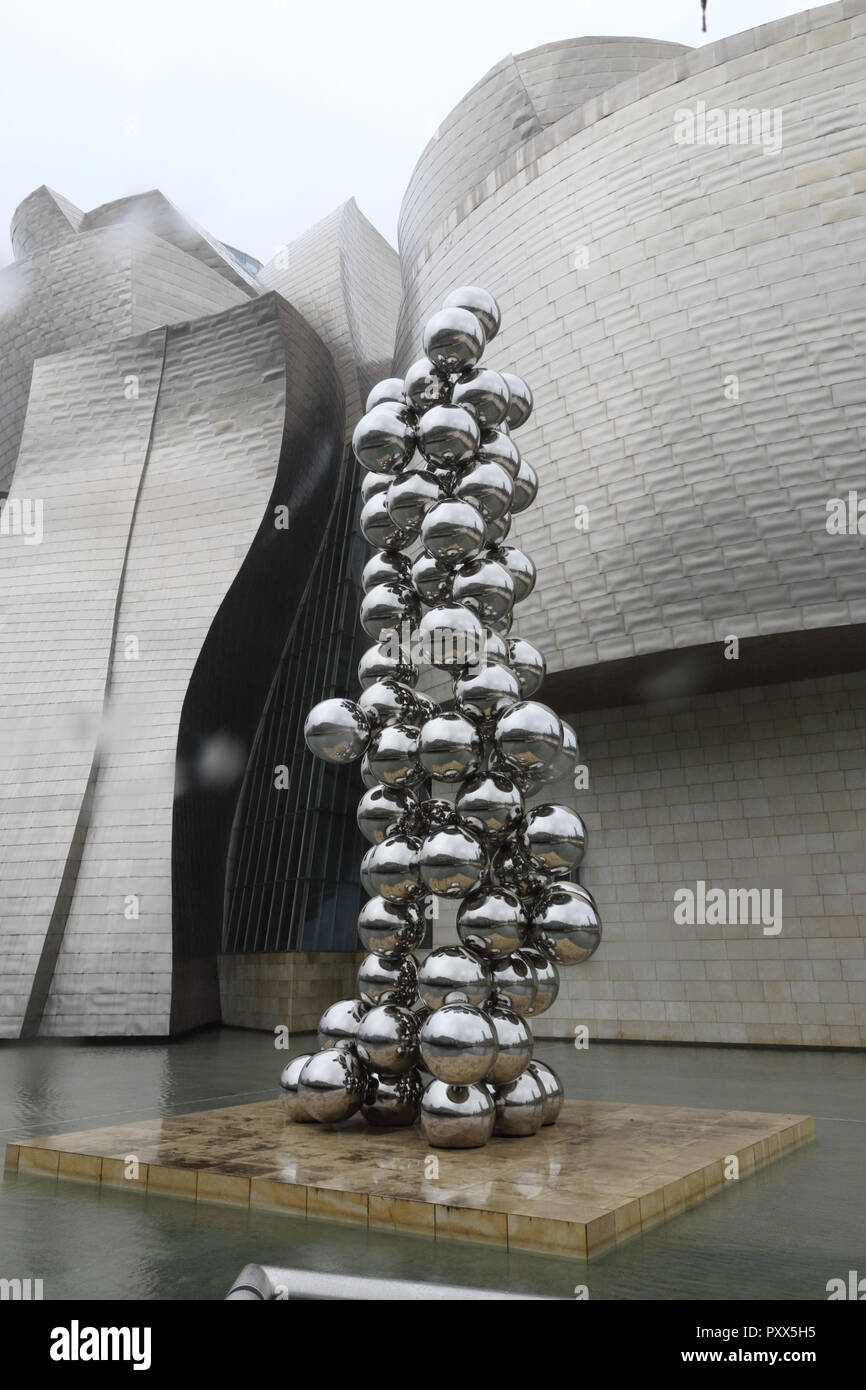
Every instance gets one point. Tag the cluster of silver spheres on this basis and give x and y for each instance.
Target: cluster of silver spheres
(448, 1041)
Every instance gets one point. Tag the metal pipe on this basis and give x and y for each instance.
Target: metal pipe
(257, 1282)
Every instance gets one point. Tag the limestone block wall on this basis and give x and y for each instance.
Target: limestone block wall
(289, 988)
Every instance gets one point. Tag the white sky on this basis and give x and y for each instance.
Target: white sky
(258, 117)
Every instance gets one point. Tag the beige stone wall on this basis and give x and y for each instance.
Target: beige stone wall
(292, 987)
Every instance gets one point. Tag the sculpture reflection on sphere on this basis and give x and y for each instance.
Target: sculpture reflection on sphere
(449, 1044)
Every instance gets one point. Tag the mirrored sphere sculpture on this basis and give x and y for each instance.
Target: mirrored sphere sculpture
(451, 743)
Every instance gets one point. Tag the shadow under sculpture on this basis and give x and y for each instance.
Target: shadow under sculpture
(449, 1041)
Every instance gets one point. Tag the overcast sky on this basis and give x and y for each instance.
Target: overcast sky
(258, 117)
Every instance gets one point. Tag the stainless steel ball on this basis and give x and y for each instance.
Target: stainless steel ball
(391, 869)
(514, 1040)
(433, 814)
(331, 1086)
(519, 1106)
(452, 862)
(409, 498)
(425, 386)
(453, 531)
(371, 483)
(520, 407)
(392, 1102)
(388, 702)
(393, 756)
(458, 1044)
(386, 608)
(488, 486)
(384, 811)
(367, 776)
(388, 980)
(496, 531)
(450, 747)
(555, 836)
(514, 983)
(520, 567)
(385, 567)
(497, 446)
(546, 979)
(383, 440)
(384, 659)
(431, 581)
(379, 528)
(389, 928)
(513, 869)
(485, 690)
(495, 647)
(566, 761)
(450, 636)
(448, 435)
(340, 1021)
(492, 923)
(525, 487)
(491, 805)
(457, 1117)
(479, 302)
(528, 665)
(454, 975)
(485, 586)
(566, 924)
(337, 731)
(387, 1039)
(293, 1106)
(551, 1089)
(454, 339)
(528, 736)
(387, 392)
(485, 393)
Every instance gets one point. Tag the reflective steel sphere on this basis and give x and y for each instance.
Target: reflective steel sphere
(454, 340)
(457, 1117)
(566, 924)
(492, 923)
(385, 659)
(453, 531)
(331, 1086)
(525, 487)
(387, 702)
(496, 531)
(431, 581)
(485, 691)
(566, 761)
(393, 1101)
(551, 1089)
(514, 1040)
(514, 983)
(448, 435)
(520, 407)
(293, 1107)
(388, 980)
(450, 748)
(340, 1021)
(408, 498)
(389, 391)
(452, 862)
(393, 756)
(513, 869)
(480, 303)
(521, 569)
(391, 870)
(382, 811)
(378, 527)
(386, 607)
(528, 665)
(491, 805)
(489, 487)
(485, 393)
(337, 731)
(450, 636)
(556, 837)
(383, 440)
(485, 586)
(499, 447)
(371, 483)
(367, 776)
(431, 815)
(385, 567)
(528, 737)
(519, 1106)
(425, 386)
(387, 1039)
(454, 975)
(390, 928)
(458, 1044)
(546, 979)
